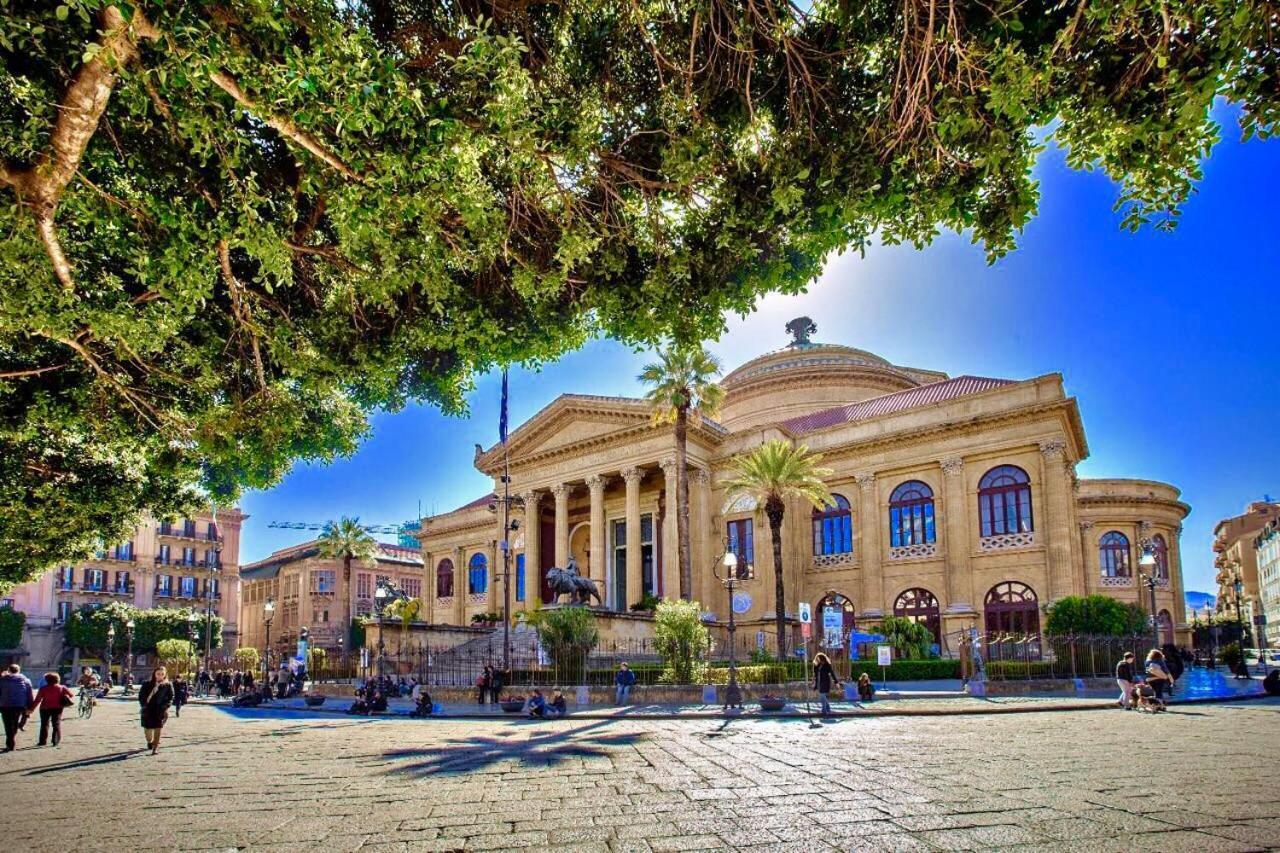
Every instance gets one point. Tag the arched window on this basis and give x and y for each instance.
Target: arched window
(833, 528)
(1004, 501)
(1160, 550)
(444, 578)
(1113, 555)
(1012, 608)
(921, 606)
(911, 515)
(834, 615)
(1165, 621)
(478, 575)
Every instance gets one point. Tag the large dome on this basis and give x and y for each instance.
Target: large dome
(806, 376)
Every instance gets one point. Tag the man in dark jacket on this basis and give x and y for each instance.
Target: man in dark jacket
(16, 696)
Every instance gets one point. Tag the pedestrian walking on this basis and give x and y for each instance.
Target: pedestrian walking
(623, 681)
(51, 699)
(181, 694)
(497, 680)
(155, 697)
(824, 678)
(1125, 678)
(483, 681)
(16, 696)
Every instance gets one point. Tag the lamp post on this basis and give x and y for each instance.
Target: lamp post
(380, 595)
(192, 618)
(732, 692)
(1238, 588)
(1148, 562)
(268, 613)
(342, 660)
(128, 657)
(1213, 641)
(111, 642)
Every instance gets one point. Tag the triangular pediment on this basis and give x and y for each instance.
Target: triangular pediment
(570, 420)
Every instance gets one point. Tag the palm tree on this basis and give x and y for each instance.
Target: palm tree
(772, 474)
(683, 389)
(346, 540)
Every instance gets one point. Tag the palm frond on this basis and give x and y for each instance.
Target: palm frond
(683, 377)
(776, 469)
(347, 538)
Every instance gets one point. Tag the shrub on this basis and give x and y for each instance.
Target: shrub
(567, 634)
(1097, 615)
(680, 638)
(1012, 670)
(910, 639)
(648, 603)
(87, 627)
(761, 656)
(1229, 654)
(11, 624)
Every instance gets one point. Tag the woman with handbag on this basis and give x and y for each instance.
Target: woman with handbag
(51, 699)
(155, 697)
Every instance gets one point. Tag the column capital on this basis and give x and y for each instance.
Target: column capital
(952, 465)
(561, 491)
(866, 480)
(701, 476)
(632, 475)
(596, 483)
(668, 467)
(1086, 526)
(532, 497)
(1053, 448)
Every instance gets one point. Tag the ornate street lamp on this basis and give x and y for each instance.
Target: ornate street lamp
(268, 613)
(1147, 562)
(128, 633)
(732, 693)
(342, 658)
(111, 642)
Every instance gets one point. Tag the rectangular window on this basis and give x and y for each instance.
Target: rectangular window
(163, 557)
(95, 580)
(211, 533)
(648, 577)
(188, 556)
(319, 617)
(187, 587)
(520, 577)
(210, 557)
(620, 565)
(412, 587)
(124, 551)
(478, 577)
(122, 581)
(742, 543)
(66, 577)
(364, 585)
(211, 587)
(166, 529)
(64, 611)
(189, 528)
(323, 582)
(164, 585)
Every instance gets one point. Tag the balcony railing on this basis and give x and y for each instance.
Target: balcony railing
(164, 593)
(183, 533)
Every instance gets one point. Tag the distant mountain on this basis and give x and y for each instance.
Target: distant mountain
(1197, 601)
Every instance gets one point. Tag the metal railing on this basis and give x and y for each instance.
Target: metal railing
(1012, 657)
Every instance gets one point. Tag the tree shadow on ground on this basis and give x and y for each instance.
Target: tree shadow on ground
(547, 749)
(82, 762)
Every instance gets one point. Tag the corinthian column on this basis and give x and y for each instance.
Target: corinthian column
(702, 540)
(959, 567)
(532, 546)
(1088, 553)
(1058, 531)
(872, 604)
(561, 494)
(670, 542)
(634, 590)
(595, 485)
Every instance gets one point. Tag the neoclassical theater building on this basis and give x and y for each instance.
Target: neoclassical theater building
(956, 503)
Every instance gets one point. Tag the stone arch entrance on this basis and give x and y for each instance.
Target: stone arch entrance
(920, 606)
(826, 639)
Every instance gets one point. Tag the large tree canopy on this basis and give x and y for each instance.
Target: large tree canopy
(231, 230)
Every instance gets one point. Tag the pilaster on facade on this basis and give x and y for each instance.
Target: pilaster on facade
(634, 571)
(956, 531)
(869, 532)
(670, 541)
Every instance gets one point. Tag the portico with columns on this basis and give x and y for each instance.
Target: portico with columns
(957, 502)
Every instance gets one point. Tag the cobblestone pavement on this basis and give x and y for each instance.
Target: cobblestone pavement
(1198, 778)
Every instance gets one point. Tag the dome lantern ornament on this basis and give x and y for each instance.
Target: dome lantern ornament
(800, 329)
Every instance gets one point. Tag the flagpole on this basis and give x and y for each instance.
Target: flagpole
(506, 534)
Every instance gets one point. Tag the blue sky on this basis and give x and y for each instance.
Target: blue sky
(1168, 341)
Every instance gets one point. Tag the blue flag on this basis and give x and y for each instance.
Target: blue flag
(502, 419)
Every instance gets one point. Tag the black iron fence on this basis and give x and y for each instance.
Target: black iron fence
(1010, 657)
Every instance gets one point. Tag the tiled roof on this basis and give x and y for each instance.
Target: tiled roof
(925, 395)
(483, 500)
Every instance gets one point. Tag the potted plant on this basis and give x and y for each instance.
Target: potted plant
(512, 704)
(771, 703)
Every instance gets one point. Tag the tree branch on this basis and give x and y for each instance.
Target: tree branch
(284, 126)
(53, 248)
(19, 374)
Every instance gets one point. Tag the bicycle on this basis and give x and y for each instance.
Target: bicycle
(86, 704)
